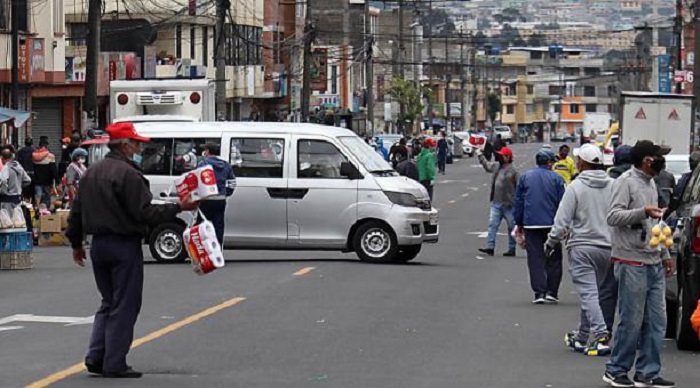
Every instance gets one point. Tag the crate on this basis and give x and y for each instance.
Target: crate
(16, 242)
(16, 260)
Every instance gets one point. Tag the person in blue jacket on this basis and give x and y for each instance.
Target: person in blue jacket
(380, 148)
(214, 208)
(537, 198)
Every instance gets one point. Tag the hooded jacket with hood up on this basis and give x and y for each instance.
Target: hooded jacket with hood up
(623, 161)
(584, 211)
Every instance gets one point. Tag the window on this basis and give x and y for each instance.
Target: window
(591, 70)
(510, 109)
(557, 108)
(591, 108)
(529, 108)
(574, 108)
(77, 34)
(530, 89)
(555, 90)
(59, 22)
(334, 79)
(168, 156)
(318, 160)
(243, 45)
(257, 157)
(277, 39)
(205, 45)
(193, 42)
(178, 41)
(536, 55)
(589, 91)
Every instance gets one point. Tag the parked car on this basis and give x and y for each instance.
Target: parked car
(505, 132)
(562, 136)
(467, 149)
(677, 165)
(683, 290)
(609, 150)
(457, 150)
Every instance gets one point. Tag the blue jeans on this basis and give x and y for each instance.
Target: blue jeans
(642, 310)
(498, 213)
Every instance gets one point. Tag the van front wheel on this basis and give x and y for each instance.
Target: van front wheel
(375, 242)
(408, 253)
(166, 243)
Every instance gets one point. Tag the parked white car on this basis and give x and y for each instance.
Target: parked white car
(505, 132)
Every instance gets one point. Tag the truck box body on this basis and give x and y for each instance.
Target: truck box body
(662, 118)
(598, 122)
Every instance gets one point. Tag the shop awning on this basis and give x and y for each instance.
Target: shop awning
(19, 116)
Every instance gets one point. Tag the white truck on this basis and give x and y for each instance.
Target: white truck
(597, 122)
(662, 118)
(162, 100)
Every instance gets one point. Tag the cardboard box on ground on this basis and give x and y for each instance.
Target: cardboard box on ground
(51, 229)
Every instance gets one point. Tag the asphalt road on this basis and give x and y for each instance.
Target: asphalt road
(451, 319)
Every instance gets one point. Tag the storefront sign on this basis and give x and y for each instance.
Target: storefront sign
(24, 64)
(319, 69)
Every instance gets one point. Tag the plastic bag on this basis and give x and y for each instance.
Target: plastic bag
(18, 220)
(5, 220)
(198, 184)
(695, 320)
(661, 236)
(202, 246)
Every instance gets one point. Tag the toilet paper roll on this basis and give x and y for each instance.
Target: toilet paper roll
(203, 248)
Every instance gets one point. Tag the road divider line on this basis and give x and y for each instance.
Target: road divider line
(79, 367)
(304, 271)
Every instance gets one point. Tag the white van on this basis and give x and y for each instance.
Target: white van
(299, 187)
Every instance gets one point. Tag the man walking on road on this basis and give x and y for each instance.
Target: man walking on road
(639, 270)
(505, 178)
(114, 206)
(215, 208)
(426, 166)
(442, 153)
(582, 216)
(537, 198)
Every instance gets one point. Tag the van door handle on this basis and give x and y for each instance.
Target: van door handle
(297, 193)
(168, 195)
(277, 193)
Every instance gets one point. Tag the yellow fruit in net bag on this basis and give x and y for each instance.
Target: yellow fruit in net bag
(667, 231)
(656, 230)
(654, 242)
(669, 243)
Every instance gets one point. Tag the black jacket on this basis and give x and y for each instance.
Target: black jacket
(114, 198)
(46, 174)
(24, 157)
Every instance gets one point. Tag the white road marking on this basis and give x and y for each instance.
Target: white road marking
(8, 328)
(69, 321)
(465, 195)
(485, 234)
(452, 201)
(479, 258)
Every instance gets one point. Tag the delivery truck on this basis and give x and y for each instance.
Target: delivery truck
(660, 117)
(596, 122)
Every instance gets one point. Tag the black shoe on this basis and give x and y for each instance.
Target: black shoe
(620, 381)
(509, 254)
(127, 374)
(551, 298)
(658, 382)
(488, 251)
(93, 367)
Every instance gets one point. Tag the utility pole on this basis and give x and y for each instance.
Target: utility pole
(15, 55)
(309, 34)
(401, 58)
(93, 55)
(696, 64)
(678, 37)
(222, 6)
(369, 73)
(463, 82)
(448, 80)
(431, 62)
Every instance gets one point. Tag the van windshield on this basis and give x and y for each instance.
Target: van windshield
(369, 158)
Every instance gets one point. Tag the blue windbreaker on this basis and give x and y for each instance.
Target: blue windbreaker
(537, 198)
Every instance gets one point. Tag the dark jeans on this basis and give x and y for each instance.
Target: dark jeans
(117, 262)
(428, 187)
(215, 211)
(441, 161)
(545, 275)
(608, 299)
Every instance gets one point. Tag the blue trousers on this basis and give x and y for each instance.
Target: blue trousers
(117, 262)
(545, 275)
(215, 211)
(498, 214)
(642, 309)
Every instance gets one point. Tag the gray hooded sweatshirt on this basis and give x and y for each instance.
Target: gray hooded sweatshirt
(583, 212)
(631, 231)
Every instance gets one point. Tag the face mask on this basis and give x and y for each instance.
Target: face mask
(137, 159)
(657, 164)
(564, 155)
(81, 160)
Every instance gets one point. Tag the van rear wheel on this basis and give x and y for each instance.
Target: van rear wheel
(166, 243)
(407, 253)
(375, 242)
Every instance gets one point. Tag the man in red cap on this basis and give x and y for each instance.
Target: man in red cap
(505, 178)
(114, 206)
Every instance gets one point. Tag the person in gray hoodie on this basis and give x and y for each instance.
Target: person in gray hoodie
(505, 178)
(13, 179)
(582, 217)
(640, 271)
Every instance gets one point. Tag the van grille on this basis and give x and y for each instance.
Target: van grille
(430, 229)
(159, 99)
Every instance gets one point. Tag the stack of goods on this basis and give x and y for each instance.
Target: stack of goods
(15, 242)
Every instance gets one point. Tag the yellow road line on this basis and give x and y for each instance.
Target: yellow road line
(77, 368)
(304, 271)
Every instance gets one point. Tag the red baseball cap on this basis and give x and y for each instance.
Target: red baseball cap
(120, 131)
(507, 152)
(429, 142)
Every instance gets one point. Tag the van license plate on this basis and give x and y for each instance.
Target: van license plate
(433, 219)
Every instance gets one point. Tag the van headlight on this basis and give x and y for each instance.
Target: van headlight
(402, 199)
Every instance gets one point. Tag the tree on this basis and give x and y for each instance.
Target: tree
(409, 97)
(493, 103)
(536, 40)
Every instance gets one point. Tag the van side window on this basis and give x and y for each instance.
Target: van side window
(257, 157)
(187, 153)
(318, 160)
(157, 157)
(692, 190)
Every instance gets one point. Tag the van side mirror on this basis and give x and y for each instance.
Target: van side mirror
(349, 171)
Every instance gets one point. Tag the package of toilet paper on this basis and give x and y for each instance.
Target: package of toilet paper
(198, 184)
(203, 247)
